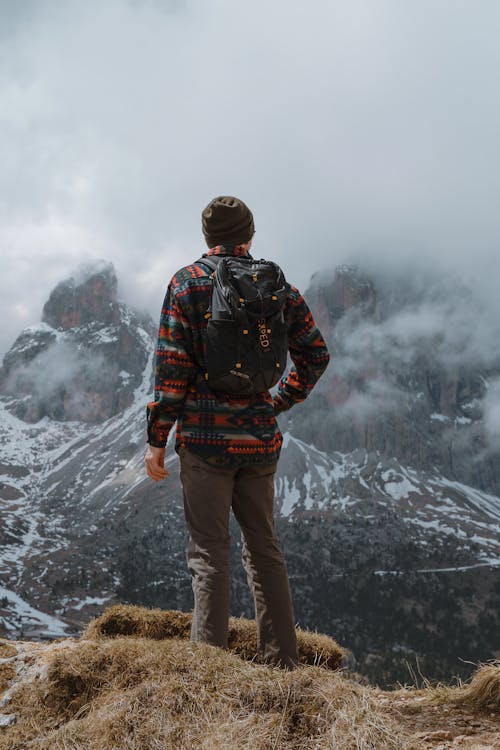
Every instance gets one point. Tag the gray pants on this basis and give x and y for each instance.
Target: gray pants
(209, 494)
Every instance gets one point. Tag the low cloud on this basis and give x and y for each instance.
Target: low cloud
(445, 321)
(59, 365)
(60, 380)
(413, 326)
(379, 396)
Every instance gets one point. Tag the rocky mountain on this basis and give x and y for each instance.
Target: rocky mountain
(409, 376)
(86, 357)
(391, 536)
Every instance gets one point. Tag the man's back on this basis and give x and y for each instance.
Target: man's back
(222, 428)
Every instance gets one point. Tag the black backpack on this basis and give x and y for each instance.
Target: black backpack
(247, 344)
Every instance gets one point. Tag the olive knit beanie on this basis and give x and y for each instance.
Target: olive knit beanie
(227, 221)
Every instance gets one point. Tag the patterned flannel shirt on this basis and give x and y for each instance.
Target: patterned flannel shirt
(223, 429)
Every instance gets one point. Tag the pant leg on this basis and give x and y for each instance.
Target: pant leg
(207, 502)
(253, 507)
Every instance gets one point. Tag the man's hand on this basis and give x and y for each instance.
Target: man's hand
(155, 460)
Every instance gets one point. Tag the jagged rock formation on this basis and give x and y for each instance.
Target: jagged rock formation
(87, 297)
(86, 357)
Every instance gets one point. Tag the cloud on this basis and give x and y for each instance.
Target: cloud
(376, 398)
(409, 325)
(351, 129)
(63, 382)
(424, 314)
(59, 366)
(450, 336)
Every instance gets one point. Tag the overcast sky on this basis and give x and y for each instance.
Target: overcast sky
(350, 127)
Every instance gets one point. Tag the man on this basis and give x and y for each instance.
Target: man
(228, 445)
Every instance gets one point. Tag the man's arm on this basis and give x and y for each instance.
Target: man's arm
(174, 369)
(308, 351)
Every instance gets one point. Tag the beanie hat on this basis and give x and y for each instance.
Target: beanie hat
(227, 221)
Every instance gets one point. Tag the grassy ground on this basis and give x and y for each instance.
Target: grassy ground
(134, 681)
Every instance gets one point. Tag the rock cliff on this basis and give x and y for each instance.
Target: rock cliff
(402, 381)
(86, 357)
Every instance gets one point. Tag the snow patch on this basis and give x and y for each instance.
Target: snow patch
(25, 611)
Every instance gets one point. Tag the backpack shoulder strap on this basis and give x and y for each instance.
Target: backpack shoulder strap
(211, 261)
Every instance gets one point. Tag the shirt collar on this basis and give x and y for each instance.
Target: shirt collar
(235, 250)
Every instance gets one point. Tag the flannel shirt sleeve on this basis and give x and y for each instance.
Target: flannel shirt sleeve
(308, 351)
(174, 369)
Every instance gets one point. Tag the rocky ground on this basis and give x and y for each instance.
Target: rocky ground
(439, 725)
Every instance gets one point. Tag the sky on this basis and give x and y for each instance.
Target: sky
(355, 130)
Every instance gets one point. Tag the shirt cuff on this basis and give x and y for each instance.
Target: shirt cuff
(158, 429)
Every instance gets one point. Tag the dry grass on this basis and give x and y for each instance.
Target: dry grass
(6, 650)
(7, 673)
(126, 620)
(483, 691)
(132, 693)
(135, 682)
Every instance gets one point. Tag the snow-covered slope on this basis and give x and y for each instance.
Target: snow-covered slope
(365, 485)
(51, 473)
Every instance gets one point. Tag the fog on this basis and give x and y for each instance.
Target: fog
(363, 130)
(449, 322)
(413, 322)
(57, 379)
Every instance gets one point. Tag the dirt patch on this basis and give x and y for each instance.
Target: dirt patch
(434, 721)
(8, 492)
(13, 470)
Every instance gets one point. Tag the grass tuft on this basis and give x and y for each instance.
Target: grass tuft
(128, 620)
(483, 691)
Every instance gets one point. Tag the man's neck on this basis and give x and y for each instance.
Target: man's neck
(236, 250)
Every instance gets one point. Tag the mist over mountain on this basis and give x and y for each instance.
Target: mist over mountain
(414, 373)
(86, 357)
(387, 492)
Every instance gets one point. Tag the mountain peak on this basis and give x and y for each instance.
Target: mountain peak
(87, 356)
(88, 295)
